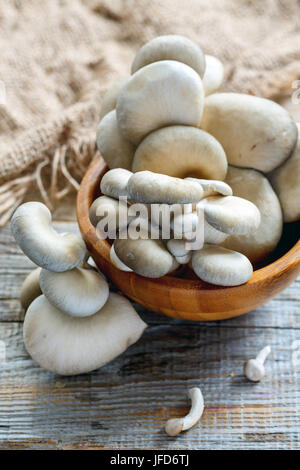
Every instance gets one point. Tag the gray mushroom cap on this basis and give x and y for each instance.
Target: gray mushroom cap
(170, 47)
(212, 235)
(116, 151)
(31, 288)
(114, 183)
(112, 213)
(71, 346)
(214, 74)
(148, 258)
(117, 262)
(222, 267)
(254, 132)
(159, 95)
(231, 214)
(286, 183)
(252, 185)
(80, 292)
(110, 98)
(181, 151)
(32, 229)
(147, 187)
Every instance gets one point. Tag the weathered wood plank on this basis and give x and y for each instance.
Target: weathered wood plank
(125, 404)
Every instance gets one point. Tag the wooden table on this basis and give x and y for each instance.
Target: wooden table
(125, 404)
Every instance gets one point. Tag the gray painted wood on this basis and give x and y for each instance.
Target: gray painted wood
(125, 404)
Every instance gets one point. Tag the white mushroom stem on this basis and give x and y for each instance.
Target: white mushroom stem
(175, 426)
(254, 368)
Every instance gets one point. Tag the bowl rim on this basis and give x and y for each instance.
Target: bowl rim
(95, 171)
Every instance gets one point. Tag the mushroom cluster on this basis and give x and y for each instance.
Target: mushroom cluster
(207, 207)
(169, 137)
(73, 324)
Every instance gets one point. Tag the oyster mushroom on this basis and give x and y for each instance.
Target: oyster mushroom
(110, 98)
(254, 132)
(159, 95)
(116, 151)
(80, 292)
(222, 267)
(71, 346)
(31, 288)
(286, 183)
(213, 76)
(148, 187)
(148, 258)
(252, 185)
(181, 151)
(114, 183)
(33, 232)
(170, 47)
(231, 214)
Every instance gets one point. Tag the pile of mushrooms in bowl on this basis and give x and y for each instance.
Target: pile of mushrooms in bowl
(232, 161)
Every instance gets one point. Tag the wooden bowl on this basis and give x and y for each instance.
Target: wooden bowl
(187, 297)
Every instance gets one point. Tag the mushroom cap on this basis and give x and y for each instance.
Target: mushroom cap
(71, 346)
(110, 98)
(148, 187)
(177, 247)
(213, 236)
(116, 151)
(117, 262)
(183, 224)
(181, 151)
(254, 132)
(286, 183)
(254, 370)
(101, 206)
(252, 185)
(114, 215)
(222, 267)
(80, 292)
(212, 187)
(114, 183)
(231, 214)
(170, 47)
(31, 227)
(159, 95)
(148, 258)
(213, 76)
(31, 288)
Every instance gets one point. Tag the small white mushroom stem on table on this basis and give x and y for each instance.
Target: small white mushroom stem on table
(175, 426)
(73, 324)
(254, 369)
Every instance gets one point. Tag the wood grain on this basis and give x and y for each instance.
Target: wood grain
(125, 404)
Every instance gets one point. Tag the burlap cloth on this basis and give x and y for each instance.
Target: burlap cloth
(59, 56)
